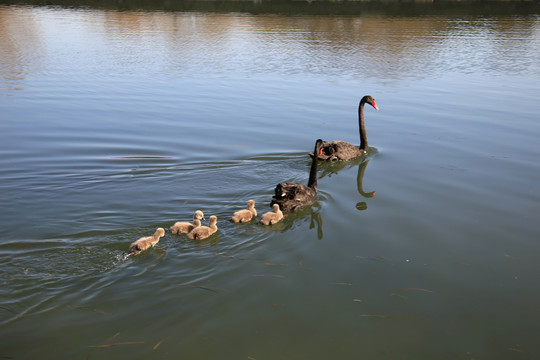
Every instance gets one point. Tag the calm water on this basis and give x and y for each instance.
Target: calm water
(114, 123)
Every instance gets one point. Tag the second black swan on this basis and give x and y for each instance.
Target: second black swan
(291, 196)
(342, 150)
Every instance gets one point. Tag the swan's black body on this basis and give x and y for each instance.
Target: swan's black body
(341, 150)
(291, 196)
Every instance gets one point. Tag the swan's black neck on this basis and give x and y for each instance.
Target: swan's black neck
(312, 182)
(362, 126)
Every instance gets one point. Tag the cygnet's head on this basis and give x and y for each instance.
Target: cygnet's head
(198, 215)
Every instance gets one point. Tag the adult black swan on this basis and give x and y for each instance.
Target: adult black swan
(341, 150)
(291, 196)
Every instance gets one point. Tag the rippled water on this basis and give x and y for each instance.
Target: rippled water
(114, 123)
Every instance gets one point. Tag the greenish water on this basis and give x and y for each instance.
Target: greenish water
(114, 123)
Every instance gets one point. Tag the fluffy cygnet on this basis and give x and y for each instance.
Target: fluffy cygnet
(272, 217)
(202, 232)
(246, 214)
(145, 243)
(184, 227)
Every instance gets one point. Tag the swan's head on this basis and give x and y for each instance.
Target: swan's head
(318, 147)
(198, 215)
(212, 220)
(275, 207)
(371, 101)
(251, 203)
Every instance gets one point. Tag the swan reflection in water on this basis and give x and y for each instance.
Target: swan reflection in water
(334, 167)
(362, 205)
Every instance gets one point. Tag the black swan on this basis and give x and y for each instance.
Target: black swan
(272, 217)
(202, 232)
(145, 243)
(342, 150)
(291, 196)
(184, 227)
(246, 214)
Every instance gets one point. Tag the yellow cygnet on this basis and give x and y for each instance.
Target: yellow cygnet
(246, 214)
(202, 232)
(145, 243)
(184, 227)
(272, 217)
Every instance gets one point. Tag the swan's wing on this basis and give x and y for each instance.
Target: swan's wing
(339, 150)
(291, 196)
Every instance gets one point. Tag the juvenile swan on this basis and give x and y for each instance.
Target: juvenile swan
(184, 227)
(342, 150)
(246, 214)
(202, 232)
(145, 243)
(272, 217)
(291, 196)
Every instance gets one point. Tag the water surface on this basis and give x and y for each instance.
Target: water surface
(115, 122)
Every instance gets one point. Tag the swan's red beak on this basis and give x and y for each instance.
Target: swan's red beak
(320, 151)
(375, 105)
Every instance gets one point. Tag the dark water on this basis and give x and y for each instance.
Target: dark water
(115, 121)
